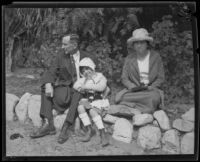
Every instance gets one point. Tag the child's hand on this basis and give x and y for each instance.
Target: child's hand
(85, 103)
(83, 87)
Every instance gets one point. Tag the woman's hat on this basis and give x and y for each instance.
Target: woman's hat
(140, 34)
(87, 62)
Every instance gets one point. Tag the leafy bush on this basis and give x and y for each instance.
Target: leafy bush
(103, 33)
(177, 53)
(110, 67)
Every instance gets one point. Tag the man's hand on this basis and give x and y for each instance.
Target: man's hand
(48, 90)
(79, 89)
(83, 89)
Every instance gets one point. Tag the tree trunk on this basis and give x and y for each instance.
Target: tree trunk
(9, 57)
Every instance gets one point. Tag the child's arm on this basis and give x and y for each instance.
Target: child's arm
(98, 86)
(78, 84)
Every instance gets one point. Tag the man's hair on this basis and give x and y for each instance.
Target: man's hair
(74, 38)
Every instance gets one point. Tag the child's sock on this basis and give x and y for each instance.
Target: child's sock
(98, 121)
(85, 119)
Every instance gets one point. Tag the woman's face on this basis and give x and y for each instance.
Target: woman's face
(140, 46)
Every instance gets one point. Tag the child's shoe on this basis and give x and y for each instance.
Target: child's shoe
(88, 134)
(104, 138)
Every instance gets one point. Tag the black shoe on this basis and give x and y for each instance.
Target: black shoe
(104, 138)
(64, 134)
(88, 134)
(46, 129)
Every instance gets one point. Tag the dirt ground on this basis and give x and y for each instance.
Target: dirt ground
(48, 146)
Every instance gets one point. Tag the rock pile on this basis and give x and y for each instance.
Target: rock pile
(27, 108)
(151, 131)
(154, 130)
(11, 102)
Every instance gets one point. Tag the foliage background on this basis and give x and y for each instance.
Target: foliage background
(33, 37)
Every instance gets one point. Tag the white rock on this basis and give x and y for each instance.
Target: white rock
(77, 124)
(189, 115)
(187, 143)
(123, 130)
(110, 118)
(66, 111)
(34, 110)
(155, 123)
(11, 102)
(162, 119)
(22, 107)
(55, 113)
(59, 120)
(171, 141)
(30, 76)
(183, 125)
(142, 119)
(149, 137)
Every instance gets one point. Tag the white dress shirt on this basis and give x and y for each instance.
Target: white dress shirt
(76, 57)
(144, 69)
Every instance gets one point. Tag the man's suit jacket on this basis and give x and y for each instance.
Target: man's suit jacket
(62, 70)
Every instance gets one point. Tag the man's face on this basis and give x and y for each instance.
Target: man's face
(68, 46)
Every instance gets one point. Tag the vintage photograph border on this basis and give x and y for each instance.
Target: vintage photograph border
(62, 4)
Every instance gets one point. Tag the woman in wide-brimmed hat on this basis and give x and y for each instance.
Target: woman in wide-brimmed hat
(142, 75)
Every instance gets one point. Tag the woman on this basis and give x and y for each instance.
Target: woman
(142, 75)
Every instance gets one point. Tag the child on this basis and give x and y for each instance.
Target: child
(91, 85)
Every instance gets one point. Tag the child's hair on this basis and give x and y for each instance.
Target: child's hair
(83, 68)
(86, 63)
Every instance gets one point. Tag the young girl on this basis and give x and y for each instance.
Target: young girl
(92, 85)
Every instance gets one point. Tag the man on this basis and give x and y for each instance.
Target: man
(57, 89)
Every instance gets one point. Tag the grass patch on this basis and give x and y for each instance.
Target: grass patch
(20, 85)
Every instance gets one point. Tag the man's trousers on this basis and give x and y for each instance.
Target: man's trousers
(64, 97)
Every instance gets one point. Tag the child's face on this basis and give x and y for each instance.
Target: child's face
(87, 72)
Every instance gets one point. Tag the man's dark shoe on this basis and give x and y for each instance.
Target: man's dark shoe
(88, 135)
(44, 130)
(64, 134)
(104, 138)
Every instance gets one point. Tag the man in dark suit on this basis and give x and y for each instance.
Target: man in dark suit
(56, 90)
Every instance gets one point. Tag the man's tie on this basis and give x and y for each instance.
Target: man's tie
(74, 75)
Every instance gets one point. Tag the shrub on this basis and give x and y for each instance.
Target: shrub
(110, 67)
(177, 54)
